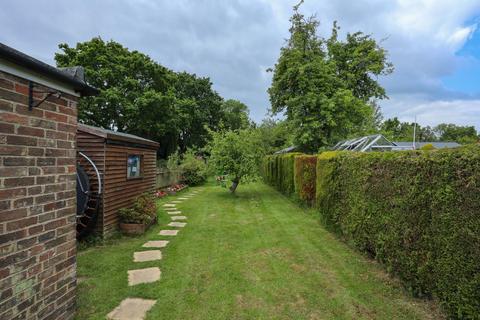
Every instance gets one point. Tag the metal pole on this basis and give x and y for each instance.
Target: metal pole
(414, 132)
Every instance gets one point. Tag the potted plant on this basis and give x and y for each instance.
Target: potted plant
(140, 216)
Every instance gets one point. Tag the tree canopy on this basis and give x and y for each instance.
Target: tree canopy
(235, 115)
(395, 130)
(142, 97)
(453, 132)
(327, 87)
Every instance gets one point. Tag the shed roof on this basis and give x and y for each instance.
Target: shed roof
(117, 136)
(71, 76)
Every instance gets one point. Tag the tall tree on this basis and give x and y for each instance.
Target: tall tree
(326, 87)
(199, 109)
(395, 130)
(140, 96)
(235, 115)
(122, 76)
(276, 135)
(453, 132)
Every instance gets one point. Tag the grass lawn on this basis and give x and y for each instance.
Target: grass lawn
(253, 255)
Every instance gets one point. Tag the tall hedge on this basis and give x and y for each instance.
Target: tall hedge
(416, 212)
(278, 171)
(305, 177)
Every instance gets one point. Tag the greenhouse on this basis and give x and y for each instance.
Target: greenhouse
(376, 142)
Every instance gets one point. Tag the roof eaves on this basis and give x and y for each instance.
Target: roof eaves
(29, 62)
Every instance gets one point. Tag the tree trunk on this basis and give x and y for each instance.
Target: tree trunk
(235, 183)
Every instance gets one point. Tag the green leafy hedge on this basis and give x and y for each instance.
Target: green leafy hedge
(305, 177)
(416, 212)
(278, 171)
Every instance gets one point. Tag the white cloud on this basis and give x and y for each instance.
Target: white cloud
(458, 38)
(463, 112)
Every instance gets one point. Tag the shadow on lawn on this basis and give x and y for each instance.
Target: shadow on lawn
(240, 193)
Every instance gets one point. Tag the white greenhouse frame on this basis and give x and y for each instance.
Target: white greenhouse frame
(376, 142)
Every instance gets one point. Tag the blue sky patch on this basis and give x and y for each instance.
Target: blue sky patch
(466, 79)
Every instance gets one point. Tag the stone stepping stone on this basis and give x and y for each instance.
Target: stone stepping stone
(174, 218)
(168, 232)
(176, 201)
(183, 198)
(170, 209)
(146, 275)
(177, 224)
(131, 309)
(150, 255)
(155, 244)
(169, 205)
(174, 212)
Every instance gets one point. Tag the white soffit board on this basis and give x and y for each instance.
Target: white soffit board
(13, 69)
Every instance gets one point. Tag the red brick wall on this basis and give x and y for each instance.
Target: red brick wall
(37, 204)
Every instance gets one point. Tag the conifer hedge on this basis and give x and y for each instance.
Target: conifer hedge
(278, 171)
(416, 212)
(305, 177)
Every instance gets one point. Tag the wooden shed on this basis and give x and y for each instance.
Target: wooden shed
(126, 165)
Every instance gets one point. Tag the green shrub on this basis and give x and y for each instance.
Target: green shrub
(305, 177)
(427, 147)
(416, 212)
(143, 210)
(194, 169)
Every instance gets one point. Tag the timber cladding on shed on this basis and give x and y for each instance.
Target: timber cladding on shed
(127, 165)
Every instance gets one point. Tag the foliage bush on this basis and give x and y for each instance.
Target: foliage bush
(143, 210)
(194, 169)
(416, 212)
(305, 177)
(278, 171)
(427, 147)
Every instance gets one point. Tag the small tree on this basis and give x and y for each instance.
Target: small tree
(237, 153)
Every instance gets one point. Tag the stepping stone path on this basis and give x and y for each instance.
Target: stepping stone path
(168, 232)
(177, 224)
(155, 244)
(146, 275)
(136, 308)
(174, 218)
(131, 309)
(150, 255)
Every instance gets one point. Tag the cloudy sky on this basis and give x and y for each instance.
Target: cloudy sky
(434, 44)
